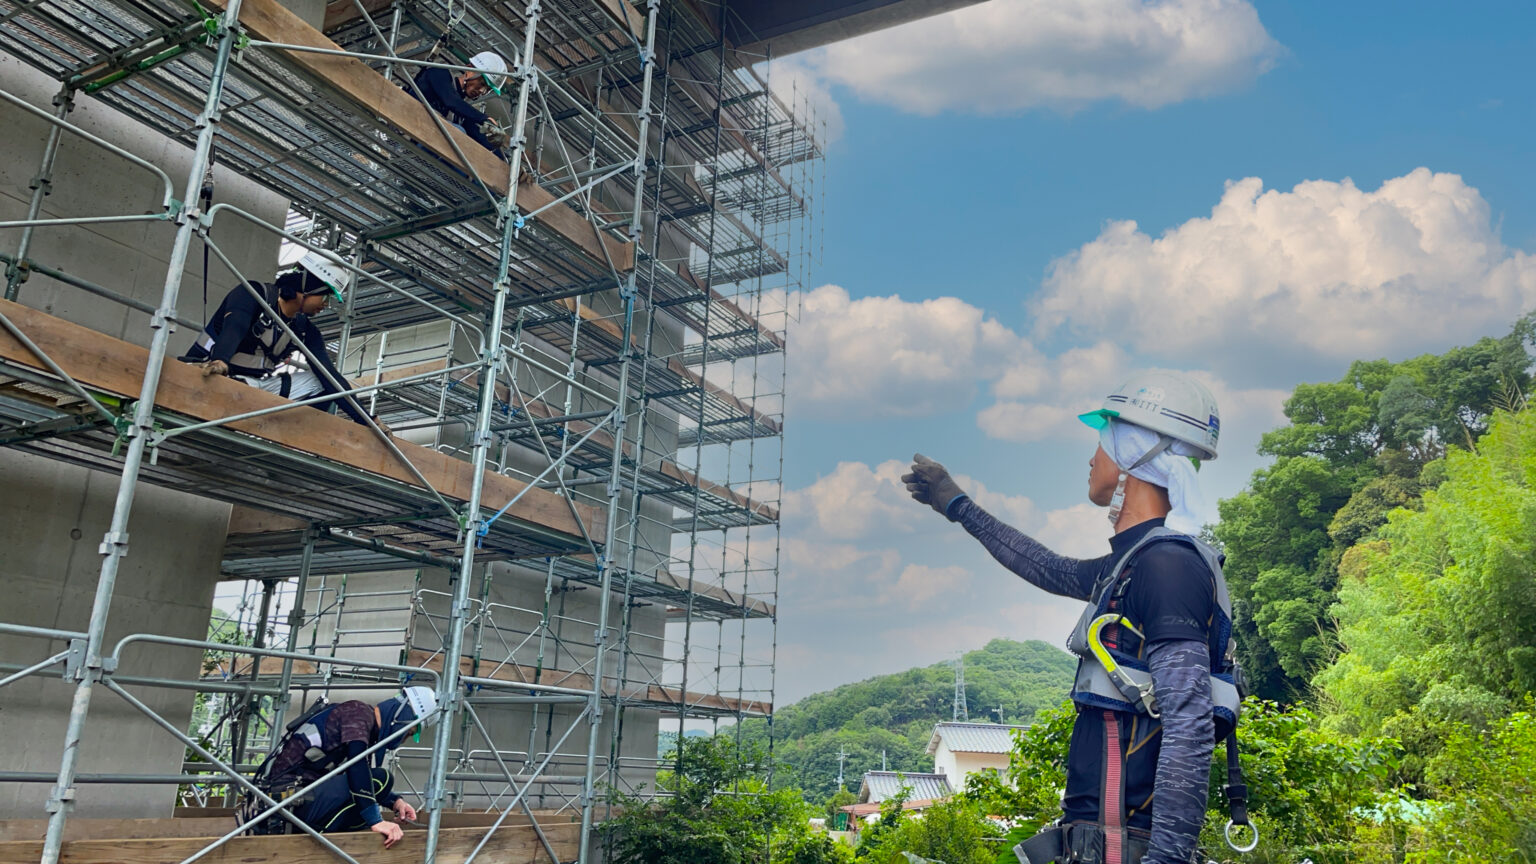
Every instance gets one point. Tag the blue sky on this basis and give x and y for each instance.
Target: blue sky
(987, 284)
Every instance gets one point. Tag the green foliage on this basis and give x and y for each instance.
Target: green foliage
(894, 715)
(1354, 450)
(1306, 783)
(720, 811)
(953, 832)
(840, 799)
(1487, 785)
(1438, 613)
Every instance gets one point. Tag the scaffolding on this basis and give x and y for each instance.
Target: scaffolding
(555, 344)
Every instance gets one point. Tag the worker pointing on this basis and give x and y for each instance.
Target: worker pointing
(1155, 681)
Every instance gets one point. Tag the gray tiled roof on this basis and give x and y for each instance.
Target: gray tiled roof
(880, 785)
(973, 737)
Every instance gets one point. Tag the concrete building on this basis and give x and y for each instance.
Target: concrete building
(544, 342)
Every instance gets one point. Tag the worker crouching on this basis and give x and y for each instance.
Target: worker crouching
(326, 737)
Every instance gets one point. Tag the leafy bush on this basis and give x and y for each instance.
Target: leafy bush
(953, 832)
(720, 811)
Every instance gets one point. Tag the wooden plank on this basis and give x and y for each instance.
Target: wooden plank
(108, 364)
(375, 95)
(514, 845)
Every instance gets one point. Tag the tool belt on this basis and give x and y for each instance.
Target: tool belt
(251, 807)
(1079, 843)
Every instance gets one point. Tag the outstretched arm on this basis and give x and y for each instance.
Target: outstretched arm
(931, 484)
(1181, 681)
(1023, 555)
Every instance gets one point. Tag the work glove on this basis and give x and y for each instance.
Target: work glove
(214, 367)
(931, 484)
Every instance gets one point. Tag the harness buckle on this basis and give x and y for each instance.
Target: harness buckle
(1139, 693)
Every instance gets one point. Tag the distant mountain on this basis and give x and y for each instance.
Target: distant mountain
(666, 739)
(896, 713)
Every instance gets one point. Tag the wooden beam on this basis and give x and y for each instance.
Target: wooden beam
(104, 363)
(514, 845)
(356, 82)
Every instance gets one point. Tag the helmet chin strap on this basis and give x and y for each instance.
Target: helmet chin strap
(1117, 501)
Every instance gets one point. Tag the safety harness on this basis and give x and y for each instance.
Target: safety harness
(1113, 679)
(273, 344)
(306, 726)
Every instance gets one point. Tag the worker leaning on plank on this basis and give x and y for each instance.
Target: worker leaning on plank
(325, 737)
(1155, 686)
(450, 95)
(243, 342)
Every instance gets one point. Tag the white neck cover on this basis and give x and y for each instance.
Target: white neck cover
(1171, 469)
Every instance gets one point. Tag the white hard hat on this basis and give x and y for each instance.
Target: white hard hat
(422, 702)
(335, 276)
(1166, 403)
(491, 64)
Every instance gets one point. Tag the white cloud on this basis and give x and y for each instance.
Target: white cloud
(887, 357)
(919, 584)
(1324, 273)
(1009, 55)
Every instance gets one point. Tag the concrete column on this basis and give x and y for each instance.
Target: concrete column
(53, 514)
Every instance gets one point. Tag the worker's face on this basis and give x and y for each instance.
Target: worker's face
(1103, 474)
(474, 85)
(314, 304)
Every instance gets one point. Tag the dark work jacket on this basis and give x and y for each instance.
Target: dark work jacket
(441, 89)
(252, 345)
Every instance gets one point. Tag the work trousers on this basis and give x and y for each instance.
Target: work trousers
(332, 806)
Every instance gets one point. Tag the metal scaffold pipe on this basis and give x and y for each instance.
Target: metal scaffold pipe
(511, 221)
(115, 544)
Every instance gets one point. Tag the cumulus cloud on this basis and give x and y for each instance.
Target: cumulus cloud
(1325, 272)
(888, 357)
(1009, 55)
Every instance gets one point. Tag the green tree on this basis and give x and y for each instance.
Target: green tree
(952, 832)
(1437, 613)
(1353, 450)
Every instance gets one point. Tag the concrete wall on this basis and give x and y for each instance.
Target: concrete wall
(53, 515)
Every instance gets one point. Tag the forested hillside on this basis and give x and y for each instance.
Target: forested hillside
(896, 713)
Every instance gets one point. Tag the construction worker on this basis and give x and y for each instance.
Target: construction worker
(243, 342)
(450, 95)
(350, 801)
(1154, 689)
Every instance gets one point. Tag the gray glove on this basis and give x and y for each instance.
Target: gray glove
(930, 484)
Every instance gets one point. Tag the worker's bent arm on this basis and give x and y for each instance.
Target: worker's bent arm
(1181, 681)
(360, 784)
(1023, 555)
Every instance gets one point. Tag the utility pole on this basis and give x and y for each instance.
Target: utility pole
(841, 755)
(961, 713)
(882, 759)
